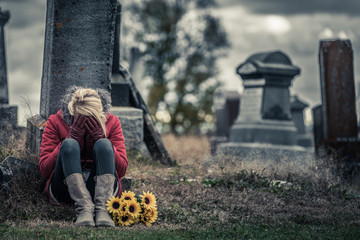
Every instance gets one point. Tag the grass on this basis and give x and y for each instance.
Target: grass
(224, 199)
(241, 231)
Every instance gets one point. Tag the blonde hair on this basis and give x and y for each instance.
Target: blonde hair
(86, 101)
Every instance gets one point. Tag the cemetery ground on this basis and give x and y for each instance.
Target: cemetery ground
(199, 199)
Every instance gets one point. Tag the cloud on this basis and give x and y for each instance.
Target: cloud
(24, 13)
(299, 38)
(291, 7)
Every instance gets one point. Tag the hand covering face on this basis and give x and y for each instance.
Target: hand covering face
(94, 131)
(77, 130)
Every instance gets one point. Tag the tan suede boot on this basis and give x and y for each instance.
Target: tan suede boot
(104, 189)
(83, 202)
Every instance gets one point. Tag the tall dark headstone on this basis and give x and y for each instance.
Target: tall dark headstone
(339, 121)
(337, 89)
(79, 40)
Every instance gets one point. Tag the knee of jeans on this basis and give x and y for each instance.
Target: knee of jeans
(70, 146)
(103, 145)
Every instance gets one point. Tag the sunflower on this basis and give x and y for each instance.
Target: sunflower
(113, 205)
(151, 215)
(116, 218)
(133, 208)
(148, 200)
(146, 220)
(127, 195)
(125, 220)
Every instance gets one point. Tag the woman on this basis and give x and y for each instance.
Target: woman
(83, 155)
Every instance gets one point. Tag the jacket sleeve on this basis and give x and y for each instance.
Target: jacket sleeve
(117, 139)
(49, 148)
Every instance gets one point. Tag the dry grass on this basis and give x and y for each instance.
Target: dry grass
(194, 195)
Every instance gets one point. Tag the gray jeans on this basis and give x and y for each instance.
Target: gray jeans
(68, 162)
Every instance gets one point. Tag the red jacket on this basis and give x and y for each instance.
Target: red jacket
(56, 130)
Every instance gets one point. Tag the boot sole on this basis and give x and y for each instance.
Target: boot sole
(105, 224)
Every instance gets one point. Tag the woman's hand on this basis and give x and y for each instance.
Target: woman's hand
(94, 129)
(77, 130)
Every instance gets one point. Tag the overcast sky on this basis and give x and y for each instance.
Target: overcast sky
(253, 26)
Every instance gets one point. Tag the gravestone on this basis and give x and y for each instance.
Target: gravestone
(8, 113)
(12, 168)
(338, 89)
(265, 107)
(338, 118)
(226, 104)
(79, 40)
(264, 124)
(317, 127)
(297, 114)
(130, 118)
(4, 92)
(127, 104)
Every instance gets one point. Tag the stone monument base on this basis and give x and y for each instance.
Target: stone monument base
(132, 124)
(35, 128)
(304, 140)
(264, 131)
(264, 152)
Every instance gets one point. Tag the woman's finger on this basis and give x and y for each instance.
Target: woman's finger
(82, 120)
(94, 122)
(87, 127)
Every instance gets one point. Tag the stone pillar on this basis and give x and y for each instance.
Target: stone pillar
(4, 94)
(265, 115)
(79, 40)
(8, 114)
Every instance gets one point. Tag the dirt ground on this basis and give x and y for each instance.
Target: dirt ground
(192, 194)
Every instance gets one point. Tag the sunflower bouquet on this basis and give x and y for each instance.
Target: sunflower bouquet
(130, 208)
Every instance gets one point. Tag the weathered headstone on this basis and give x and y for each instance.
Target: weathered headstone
(297, 114)
(4, 94)
(120, 89)
(130, 118)
(79, 40)
(265, 107)
(8, 114)
(317, 126)
(12, 168)
(6, 176)
(127, 104)
(339, 122)
(226, 104)
(264, 124)
(152, 138)
(338, 89)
